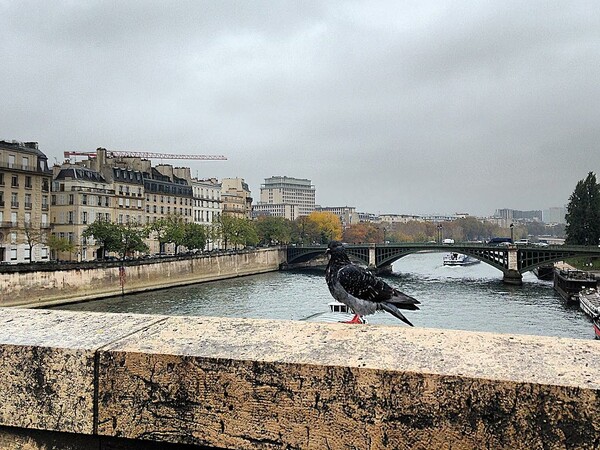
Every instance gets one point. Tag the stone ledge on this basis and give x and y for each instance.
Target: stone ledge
(237, 383)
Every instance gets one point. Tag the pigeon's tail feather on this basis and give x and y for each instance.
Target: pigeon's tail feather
(403, 301)
(394, 311)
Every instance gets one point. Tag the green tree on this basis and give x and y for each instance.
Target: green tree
(59, 245)
(175, 231)
(226, 228)
(238, 231)
(106, 234)
(168, 229)
(132, 239)
(304, 231)
(583, 213)
(119, 238)
(194, 236)
(273, 230)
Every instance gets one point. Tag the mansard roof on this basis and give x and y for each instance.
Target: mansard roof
(82, 173)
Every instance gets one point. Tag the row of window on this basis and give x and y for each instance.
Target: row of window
(14, 200)
(13, 253)
(14, 218)
(15, 181)
(155, 209)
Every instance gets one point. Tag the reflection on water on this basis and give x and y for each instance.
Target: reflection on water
(465, 298)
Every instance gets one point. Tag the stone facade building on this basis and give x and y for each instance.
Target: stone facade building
(125, 190)
(80, 196)
(236, 198)
(25, 180)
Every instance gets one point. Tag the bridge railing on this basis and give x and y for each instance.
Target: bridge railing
(255, 384)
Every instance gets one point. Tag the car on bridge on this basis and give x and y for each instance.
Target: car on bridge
(500, 241)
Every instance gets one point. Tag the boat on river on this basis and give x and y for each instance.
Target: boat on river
(569, 282)
(596, 322)
(589, 302)
(545, 272)
(459, 259)
(338, 312)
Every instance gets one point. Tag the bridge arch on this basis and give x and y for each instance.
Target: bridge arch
(497, 258)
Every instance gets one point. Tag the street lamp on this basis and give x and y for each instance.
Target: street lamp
(440, 228)
(512, 232)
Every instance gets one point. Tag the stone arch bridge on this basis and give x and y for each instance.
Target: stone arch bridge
(512, 260)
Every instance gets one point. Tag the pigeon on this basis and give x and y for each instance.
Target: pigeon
(360, 290)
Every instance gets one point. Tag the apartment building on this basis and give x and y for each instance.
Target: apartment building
(133, 192)
(236, 198)
(207, 200)
(80, 196)
(24, 202)
(278, 193)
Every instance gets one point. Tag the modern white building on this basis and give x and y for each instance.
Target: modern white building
(278, 194)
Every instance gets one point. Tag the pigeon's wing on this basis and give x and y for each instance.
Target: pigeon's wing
(364, 285)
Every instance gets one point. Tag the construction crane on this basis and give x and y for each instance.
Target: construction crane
(146, 155)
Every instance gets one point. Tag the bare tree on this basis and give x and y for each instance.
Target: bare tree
(34, 236)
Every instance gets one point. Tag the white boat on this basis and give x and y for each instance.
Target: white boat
(589, 302)
(338, 312)
(459, 259)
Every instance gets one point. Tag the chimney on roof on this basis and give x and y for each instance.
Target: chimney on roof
(32, 145)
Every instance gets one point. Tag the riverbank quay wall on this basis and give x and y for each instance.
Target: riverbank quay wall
(75, 380)
(34, 285)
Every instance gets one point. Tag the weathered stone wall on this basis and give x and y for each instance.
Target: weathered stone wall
(258, 384)
(88, 281)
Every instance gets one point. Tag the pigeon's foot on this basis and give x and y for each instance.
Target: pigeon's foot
(355, 320)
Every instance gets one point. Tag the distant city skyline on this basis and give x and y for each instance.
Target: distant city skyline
(426, 107)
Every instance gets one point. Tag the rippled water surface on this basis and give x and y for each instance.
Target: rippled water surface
(465, 298)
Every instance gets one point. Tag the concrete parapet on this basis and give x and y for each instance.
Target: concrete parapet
(263, 384)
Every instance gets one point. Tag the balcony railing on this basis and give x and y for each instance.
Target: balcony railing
(14, 204)
(7, 165)
(28, 205)
(95, 190)
(8, 224)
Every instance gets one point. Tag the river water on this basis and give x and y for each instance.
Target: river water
(463, 298)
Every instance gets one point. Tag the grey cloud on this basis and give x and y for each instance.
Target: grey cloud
(401, 107)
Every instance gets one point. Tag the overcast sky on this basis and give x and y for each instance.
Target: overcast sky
(392, 107)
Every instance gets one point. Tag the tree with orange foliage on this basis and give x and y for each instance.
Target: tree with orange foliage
(328, 225)
(361, 233)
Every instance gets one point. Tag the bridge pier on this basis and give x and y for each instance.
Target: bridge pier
(383, 270)
(372, 258)
(512, 276)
